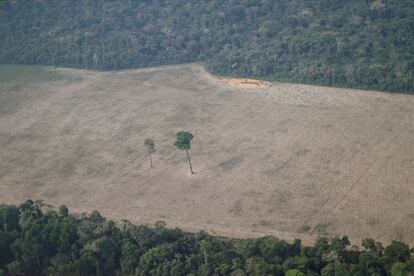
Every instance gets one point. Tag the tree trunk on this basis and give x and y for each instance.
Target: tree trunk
(189, 161)
(150, 160)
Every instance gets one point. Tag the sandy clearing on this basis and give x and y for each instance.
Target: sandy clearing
(247, 83)
(268, 161)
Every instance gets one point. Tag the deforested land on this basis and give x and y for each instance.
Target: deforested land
(294, 161)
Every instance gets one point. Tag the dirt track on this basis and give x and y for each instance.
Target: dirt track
(291, 160)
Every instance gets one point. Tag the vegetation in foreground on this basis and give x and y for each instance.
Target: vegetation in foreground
(35, 240)
(358, 43)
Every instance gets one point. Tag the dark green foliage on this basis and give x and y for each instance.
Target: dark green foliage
(149, 144)
(356, 43)
(34, 242)
(397, 251)
(183, 141)
(63, 210)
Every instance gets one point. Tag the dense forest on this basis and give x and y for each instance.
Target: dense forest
(357, 43)
(36, 240)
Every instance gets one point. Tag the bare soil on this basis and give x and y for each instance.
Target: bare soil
(247, 83)
(295, 161)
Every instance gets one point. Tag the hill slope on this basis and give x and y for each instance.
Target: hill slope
(365, 44)
(296, 161)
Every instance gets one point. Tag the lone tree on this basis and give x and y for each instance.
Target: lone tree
(149, 143)
(183, 143)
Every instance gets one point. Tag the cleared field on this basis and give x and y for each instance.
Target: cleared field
(291, 160)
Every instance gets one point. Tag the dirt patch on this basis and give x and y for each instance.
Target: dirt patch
(231, 163)
(247, 83)
(286, 159)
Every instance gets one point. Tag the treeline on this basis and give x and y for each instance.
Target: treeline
(35, 240)
(356, 43)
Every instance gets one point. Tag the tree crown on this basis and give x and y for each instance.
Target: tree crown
(183, 140)
(149, 143)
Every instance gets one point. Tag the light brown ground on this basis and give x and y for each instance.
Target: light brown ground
(276, 160)
(247, 83)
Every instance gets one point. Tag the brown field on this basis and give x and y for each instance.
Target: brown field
(247, 83)
(295, 161)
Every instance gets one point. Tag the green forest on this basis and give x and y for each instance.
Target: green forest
(36, 240)
(366, 44)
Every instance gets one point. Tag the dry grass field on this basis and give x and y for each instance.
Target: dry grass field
(295, 161)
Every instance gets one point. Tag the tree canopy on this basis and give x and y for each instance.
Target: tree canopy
(358, 43)
(36, 240)
(183, 141)
(150, 145)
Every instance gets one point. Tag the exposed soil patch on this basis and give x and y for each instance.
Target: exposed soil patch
(247, 83)
(295, 161)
